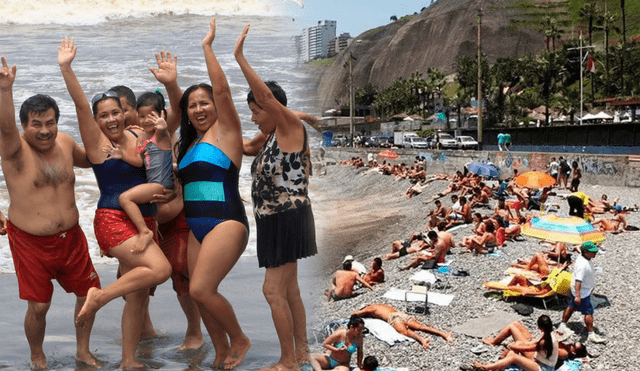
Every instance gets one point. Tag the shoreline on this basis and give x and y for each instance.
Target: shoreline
(242, 287)
(370, 211)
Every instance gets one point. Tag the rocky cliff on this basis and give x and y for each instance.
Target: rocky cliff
(433, 38)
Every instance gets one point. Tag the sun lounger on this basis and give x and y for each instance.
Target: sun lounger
(558, 280)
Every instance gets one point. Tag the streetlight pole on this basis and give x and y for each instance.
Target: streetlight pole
(479, 101)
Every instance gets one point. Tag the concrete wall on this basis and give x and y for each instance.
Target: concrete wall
(610, 170)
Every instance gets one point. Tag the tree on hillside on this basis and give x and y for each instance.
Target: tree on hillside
(605, 23)
(589, 12)
(365, 95)
(551, 31)
(624, 41)
(393, 18)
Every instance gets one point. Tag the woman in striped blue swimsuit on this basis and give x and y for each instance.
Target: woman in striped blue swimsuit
(209, 156)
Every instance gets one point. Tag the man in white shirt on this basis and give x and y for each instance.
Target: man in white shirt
(582, 284)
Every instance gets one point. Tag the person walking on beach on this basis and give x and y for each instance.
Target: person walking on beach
(101, 124)
(45, 238)
(282, 208)
(209, 161)
(582, 284)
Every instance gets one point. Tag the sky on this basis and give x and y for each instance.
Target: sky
(352, 16)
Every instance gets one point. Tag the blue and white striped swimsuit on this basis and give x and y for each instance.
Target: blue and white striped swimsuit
(210, 189)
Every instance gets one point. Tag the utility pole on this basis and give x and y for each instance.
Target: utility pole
(581, 61)
(480, 77)
(351, 97)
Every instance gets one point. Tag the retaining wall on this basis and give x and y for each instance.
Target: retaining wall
(610, 170)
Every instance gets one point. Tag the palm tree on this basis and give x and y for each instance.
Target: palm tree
(589, 11)
(607, 19)
(551, 31)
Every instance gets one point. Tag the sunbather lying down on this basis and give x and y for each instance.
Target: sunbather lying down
(402, 322)
(541, 264)
(520, 284)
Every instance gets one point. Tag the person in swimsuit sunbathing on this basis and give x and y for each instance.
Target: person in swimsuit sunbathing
(341, 345)
(440, 245)
(522, 285)
(344, 282)
(521, 335)
(403, 248)
(617, 224)
(481, 244)
(403, 323)
(542, 353)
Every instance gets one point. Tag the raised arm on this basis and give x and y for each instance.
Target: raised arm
(167, 75)
(253, 146)
(285, 119)
(309, 119)
(89, 129)
(9, 134)
(227, 114)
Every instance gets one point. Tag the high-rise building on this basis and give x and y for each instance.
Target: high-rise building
(339, 44)
(316, 40)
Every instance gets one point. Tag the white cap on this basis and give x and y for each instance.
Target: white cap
(348, 258)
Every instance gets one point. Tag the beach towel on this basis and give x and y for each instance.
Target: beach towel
(523, 272)
(384, 331)
(571, 365)
(433, 297)
(424, 276)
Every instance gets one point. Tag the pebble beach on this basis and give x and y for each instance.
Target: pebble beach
(361, 214)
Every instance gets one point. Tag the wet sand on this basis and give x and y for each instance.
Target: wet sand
(242, 287)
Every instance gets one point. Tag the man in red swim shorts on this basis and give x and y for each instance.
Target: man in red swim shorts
(45, 238)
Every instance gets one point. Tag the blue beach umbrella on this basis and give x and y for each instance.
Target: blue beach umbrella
(483, 169)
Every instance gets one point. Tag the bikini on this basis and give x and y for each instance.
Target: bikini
(350, 349)
(210, 189)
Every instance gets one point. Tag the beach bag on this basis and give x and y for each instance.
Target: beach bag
(429, 264)
(559, 281)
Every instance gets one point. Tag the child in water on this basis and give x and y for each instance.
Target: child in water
(154, 148)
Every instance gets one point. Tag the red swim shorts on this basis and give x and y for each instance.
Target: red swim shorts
(113, 227)
(39, 259)
(174, 237)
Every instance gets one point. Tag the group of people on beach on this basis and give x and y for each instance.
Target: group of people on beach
(131, 145)
(514, 206)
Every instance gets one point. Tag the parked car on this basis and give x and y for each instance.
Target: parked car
(445, 140)
(415, 142)
(386, 141)
(372, 141)
(466, 142)
(339, 140)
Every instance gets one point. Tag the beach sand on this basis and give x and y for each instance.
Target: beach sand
(242, 287)
(363, 213)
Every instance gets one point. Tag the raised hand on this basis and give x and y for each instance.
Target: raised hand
(7, 75)
(158, 121)
(237, 51)
(112, 152)
(167, 71)
(66, 51)
(211, 34)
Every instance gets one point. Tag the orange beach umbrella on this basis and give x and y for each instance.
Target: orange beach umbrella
(535, 179)
(387, 154)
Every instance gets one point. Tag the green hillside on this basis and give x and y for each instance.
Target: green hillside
(567, 15)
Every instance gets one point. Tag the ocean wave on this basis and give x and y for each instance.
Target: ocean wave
(92, 12)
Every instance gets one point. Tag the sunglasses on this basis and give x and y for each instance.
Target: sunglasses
(100, 96)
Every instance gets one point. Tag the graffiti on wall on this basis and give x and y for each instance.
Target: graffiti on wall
(598, 166)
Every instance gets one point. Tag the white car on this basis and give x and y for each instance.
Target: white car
(466, 142)
(446, 141)
(415, 142)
